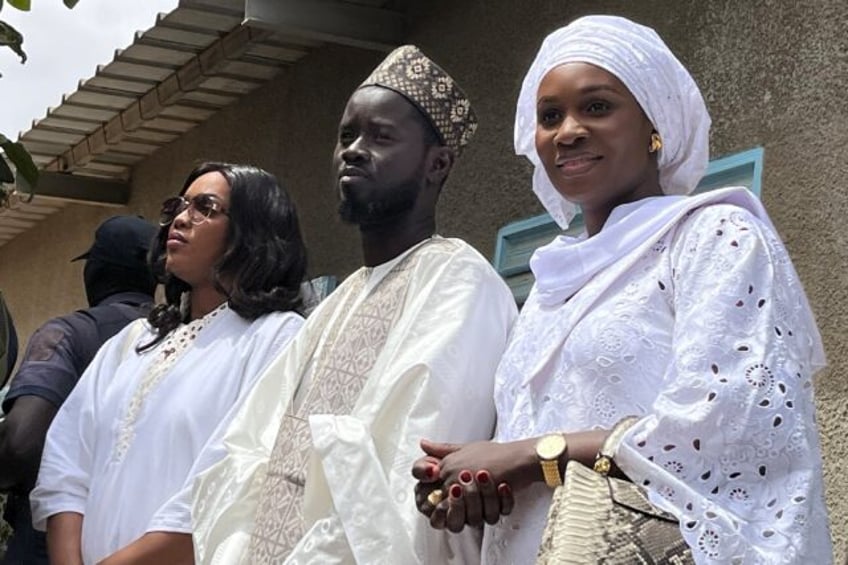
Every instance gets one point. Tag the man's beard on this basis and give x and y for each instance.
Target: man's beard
(392, 203)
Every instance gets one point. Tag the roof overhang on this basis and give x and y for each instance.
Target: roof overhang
(197, 59)
(358, 24)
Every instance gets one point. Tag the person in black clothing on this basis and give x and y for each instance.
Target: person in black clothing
(8, 344)
(119, 289)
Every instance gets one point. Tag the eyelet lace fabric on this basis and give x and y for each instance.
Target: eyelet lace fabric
(167, 353)
(708, 337)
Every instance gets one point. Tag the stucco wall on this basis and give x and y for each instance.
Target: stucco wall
(773, 74)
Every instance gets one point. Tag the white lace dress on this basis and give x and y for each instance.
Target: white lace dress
(708, 336)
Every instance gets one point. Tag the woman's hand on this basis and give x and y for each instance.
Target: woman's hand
(426, 470)
(470, 493)
(478, 479)
(471, 502)
(514, 463)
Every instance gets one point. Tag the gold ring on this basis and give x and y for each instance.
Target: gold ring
(435, 497)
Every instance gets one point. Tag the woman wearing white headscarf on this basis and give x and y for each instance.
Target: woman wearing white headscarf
(684, 311)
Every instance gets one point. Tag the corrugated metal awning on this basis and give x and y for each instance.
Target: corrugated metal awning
(197, 59)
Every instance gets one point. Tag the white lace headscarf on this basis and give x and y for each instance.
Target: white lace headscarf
(660, 83)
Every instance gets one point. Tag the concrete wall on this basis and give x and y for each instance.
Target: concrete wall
(773, 74)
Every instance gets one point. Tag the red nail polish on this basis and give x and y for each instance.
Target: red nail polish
(483, 477)
(504, 489)
(455, 491)
(465, 477)
(431, 471)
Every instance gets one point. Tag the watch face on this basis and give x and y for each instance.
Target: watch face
(550, 446)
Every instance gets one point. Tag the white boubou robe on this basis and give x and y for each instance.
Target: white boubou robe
(123, 448)
(432, 378)
(688, 313)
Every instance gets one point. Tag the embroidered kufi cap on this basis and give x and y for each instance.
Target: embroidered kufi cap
(658, 81)
(410, 73)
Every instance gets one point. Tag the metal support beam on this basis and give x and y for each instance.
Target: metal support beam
(82, 190)
(328, 20)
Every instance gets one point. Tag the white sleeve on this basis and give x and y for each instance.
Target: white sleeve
(433, 380)
(730, 444)
(65, 471)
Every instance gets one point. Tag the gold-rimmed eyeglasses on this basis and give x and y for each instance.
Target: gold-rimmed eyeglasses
(200, 208)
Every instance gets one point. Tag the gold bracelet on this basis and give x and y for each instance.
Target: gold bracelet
(604, 459)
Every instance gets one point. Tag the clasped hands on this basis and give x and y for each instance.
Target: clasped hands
(476, 482)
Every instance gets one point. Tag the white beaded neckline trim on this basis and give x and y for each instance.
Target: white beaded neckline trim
(167, 354)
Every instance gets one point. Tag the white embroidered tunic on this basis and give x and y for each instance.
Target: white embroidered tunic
(123, 448)
(433, 378)
(704, 332)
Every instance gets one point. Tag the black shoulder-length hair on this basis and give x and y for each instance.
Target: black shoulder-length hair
(265, 259)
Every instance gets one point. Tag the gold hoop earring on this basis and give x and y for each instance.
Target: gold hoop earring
(656, 143)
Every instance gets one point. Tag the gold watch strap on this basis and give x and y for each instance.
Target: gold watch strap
(603, 462)
(550, 469)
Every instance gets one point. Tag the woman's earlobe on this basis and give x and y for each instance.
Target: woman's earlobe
(656, 143)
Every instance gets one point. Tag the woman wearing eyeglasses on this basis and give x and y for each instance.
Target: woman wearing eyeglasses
(121, 455)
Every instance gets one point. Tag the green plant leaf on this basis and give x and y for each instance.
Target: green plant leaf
(13, 39)
(6, 174)
(71, 3)
(23, 186)
(27, 172)
(20, 4)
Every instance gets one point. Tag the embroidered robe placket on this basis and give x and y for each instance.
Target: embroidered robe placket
(349, 354)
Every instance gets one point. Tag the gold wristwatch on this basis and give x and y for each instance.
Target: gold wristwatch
(549, 449)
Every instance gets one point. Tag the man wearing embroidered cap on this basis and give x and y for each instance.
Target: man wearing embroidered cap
(317, 466)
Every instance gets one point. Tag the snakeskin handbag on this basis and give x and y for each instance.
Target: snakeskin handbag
(595, 519)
